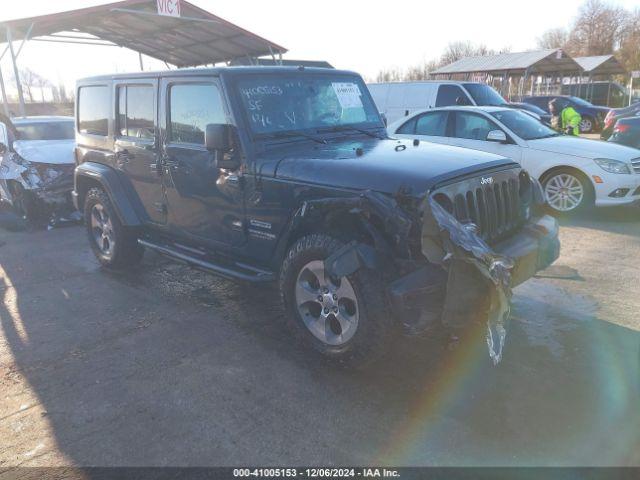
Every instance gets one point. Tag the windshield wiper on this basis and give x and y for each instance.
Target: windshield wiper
(297, 134)
(340, 128)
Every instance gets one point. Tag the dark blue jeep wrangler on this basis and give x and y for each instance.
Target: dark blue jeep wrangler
(287, 174)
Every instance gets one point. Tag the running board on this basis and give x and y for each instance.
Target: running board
(241, 272)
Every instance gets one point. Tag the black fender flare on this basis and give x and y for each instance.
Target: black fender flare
(106, 177)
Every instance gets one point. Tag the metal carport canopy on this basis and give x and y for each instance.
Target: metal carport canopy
(601, 65)
(537, 62)
(195, 38)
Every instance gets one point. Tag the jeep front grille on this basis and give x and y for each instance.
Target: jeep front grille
(495, 209)
(636, 165)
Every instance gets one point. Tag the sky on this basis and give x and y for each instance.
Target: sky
(355, 35)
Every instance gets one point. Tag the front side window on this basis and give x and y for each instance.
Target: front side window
(93, 110)
(523, 125)
(136, 111)
(432, 124)
(473, 126)
(448, 96)
(304, 101)
(192, 108)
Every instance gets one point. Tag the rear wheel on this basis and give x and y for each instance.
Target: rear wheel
(586, 125)
(114, 245)
(567, 191)
(345, 319)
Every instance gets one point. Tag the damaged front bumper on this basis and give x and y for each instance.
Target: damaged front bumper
(468, 281)
(37, 189)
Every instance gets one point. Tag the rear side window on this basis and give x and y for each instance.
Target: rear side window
(192, 108)
(433, 124)
(449, 94)
(93, 110)
(135, 111)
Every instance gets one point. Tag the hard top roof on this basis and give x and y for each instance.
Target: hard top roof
(216, 71)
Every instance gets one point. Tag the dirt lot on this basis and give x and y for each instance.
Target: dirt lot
(166, 366)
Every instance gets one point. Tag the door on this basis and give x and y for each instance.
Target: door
(136, 144)
(431, 127)
(205, 203)
(470, 130)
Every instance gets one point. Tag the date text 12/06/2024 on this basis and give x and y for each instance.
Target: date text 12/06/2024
(316, 473)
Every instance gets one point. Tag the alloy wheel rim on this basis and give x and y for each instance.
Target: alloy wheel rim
(328, 306)
(564, 192)
(585, 125)
(102, 230)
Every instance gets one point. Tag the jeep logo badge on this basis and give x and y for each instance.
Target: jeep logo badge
(486, 180)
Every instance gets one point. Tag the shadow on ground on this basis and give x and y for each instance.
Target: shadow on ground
(167, 366)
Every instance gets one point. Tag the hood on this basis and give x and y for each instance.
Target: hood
(583, 147)
(384, 166)
(55, 152)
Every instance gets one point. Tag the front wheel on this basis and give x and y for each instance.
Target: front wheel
(345, 319)
(114, 245)
(567, 191)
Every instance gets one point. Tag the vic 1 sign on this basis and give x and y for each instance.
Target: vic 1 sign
(170, 8)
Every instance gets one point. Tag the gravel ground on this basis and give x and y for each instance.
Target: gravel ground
(167, 366)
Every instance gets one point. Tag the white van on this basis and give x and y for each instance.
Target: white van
(399, 99)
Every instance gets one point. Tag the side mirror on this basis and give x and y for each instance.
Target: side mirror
(220, 139)
(497, 136)
(3, 148)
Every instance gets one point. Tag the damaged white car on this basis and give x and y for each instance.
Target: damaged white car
(36, 166)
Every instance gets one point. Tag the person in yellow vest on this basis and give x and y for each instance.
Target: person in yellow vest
(564, 118)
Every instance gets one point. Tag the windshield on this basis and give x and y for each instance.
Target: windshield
(277, 103)
(484, 95)
(46, 130)
(524, 125)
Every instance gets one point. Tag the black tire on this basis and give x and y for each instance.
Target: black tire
(374, 323)
(25, 204)
(588, 197)
(124, 251)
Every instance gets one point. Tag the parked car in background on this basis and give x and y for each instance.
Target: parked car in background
(592, 116)
(616, 114)
(627, 132)
(604, 94)
(575, 172)
(36, 165)
(279, 174)
(543, 116)
(399, 99)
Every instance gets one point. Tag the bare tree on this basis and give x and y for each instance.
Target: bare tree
(29, 80)
(42, 83)
(553, 38)
(597, 29)
(629, 52)
(457, 50)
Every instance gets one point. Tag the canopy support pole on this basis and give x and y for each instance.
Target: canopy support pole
(141, 62)
(23, 111)
(5, 102)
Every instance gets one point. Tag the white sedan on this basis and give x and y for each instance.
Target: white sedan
(575, 172)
